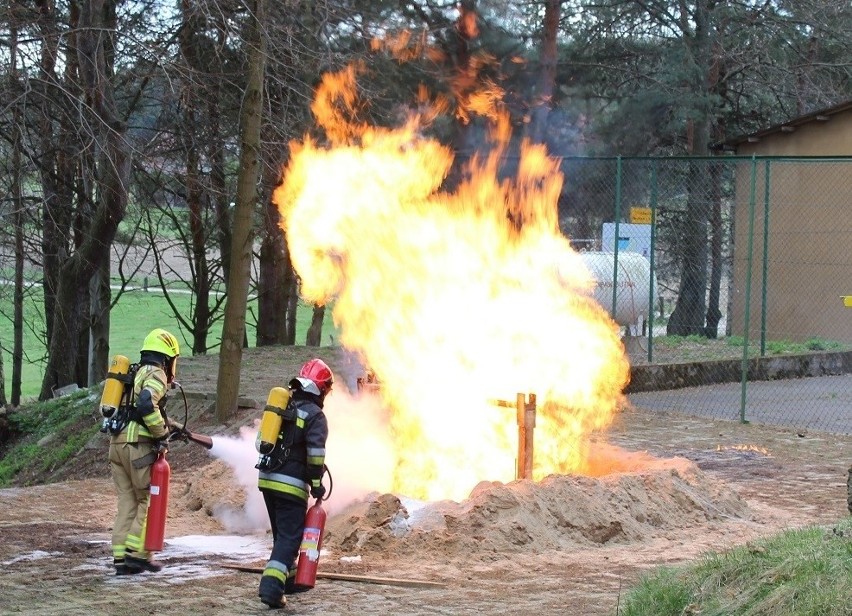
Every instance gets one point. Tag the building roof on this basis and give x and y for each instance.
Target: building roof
(789, 126)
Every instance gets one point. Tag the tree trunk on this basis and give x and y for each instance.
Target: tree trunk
(196, 202)
(18, 221)
(234, 326)
(2, 380)
(112, 182)
(292, 302)
(272, 289)
(687, 319)
(100, 297)
(688, 316)
(464, 32)
(218, 187)
(56, 210)
(314, 337)
(18, 318)
(714, 313)
(83, 359)
(547, 72)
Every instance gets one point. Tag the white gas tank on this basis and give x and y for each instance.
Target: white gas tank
(633, 283)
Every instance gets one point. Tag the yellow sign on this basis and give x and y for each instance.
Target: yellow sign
(640, 215)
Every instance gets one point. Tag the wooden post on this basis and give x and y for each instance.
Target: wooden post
(529, 432)
(526, 436)
(521, 465)
(368, 382)
(525, 417)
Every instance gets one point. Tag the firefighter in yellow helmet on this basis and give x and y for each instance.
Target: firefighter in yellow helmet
(134, 448)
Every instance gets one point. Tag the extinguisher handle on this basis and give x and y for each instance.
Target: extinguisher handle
(326, 493)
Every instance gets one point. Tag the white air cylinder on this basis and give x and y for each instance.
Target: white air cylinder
(633, 284)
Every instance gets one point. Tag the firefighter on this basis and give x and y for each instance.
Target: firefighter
(290, 473)
(134, 449)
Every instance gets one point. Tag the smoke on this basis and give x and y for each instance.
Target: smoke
(241, 456)
(359, 452)
(359, 456)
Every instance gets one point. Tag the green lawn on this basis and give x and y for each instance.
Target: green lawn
(804, 572)
(136, 313)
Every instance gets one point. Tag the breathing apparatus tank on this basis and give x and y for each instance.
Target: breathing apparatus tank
(114, 386)
(270, 422)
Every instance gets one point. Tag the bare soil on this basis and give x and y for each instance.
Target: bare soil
(566, 545)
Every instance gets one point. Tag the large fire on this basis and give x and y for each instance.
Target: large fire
(453, 298)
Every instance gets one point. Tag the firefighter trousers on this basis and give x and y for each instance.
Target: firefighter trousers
(132, 478)
(287, 519)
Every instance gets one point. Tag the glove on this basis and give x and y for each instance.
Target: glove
(318, 491)
(176, 433)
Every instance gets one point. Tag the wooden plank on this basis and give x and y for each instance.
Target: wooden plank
(346, 577)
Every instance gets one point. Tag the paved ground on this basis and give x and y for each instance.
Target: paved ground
(815, 403)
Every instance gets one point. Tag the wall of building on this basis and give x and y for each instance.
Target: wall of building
(808, 206)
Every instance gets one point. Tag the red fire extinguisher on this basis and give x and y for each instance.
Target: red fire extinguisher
(158, 504)
(309, 551)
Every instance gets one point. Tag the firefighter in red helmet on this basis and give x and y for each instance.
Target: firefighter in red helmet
(291, 473)
(133, 449)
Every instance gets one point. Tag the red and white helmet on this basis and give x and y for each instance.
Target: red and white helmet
(319, 374)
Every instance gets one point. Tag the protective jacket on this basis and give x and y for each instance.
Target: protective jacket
(298, 460)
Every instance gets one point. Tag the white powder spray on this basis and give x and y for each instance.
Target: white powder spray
(359, 455)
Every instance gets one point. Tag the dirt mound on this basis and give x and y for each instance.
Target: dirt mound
(211, 489)
(625, 504)
(557, 513)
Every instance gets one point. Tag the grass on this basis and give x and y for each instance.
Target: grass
(698, 348)
(805, 572)
(135, 314)
(53, 432)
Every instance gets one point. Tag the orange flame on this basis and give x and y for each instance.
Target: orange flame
(453, 299)
(467, 23)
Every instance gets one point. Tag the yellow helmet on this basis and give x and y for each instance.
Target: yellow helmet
(161, 341)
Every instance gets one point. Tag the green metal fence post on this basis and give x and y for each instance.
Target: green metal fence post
(617, 223)
(766, 185)
(750, 260)
(654, 198)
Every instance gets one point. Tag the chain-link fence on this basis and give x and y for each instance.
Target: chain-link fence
(738, 311)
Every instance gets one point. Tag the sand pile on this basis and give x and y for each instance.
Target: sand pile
(562, 511)
(558, 512)
(212, 489)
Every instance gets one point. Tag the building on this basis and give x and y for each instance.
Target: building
(799, 182)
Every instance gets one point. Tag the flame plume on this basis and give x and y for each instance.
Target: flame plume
(453, 298)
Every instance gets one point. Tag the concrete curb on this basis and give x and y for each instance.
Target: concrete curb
(658, 377)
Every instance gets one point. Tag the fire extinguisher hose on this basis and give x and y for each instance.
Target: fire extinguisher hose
(181, 432)
(327, 471)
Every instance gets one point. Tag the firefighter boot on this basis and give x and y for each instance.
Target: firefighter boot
(270, 592)
(122, 569)
(290, 587)
(138, 565)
